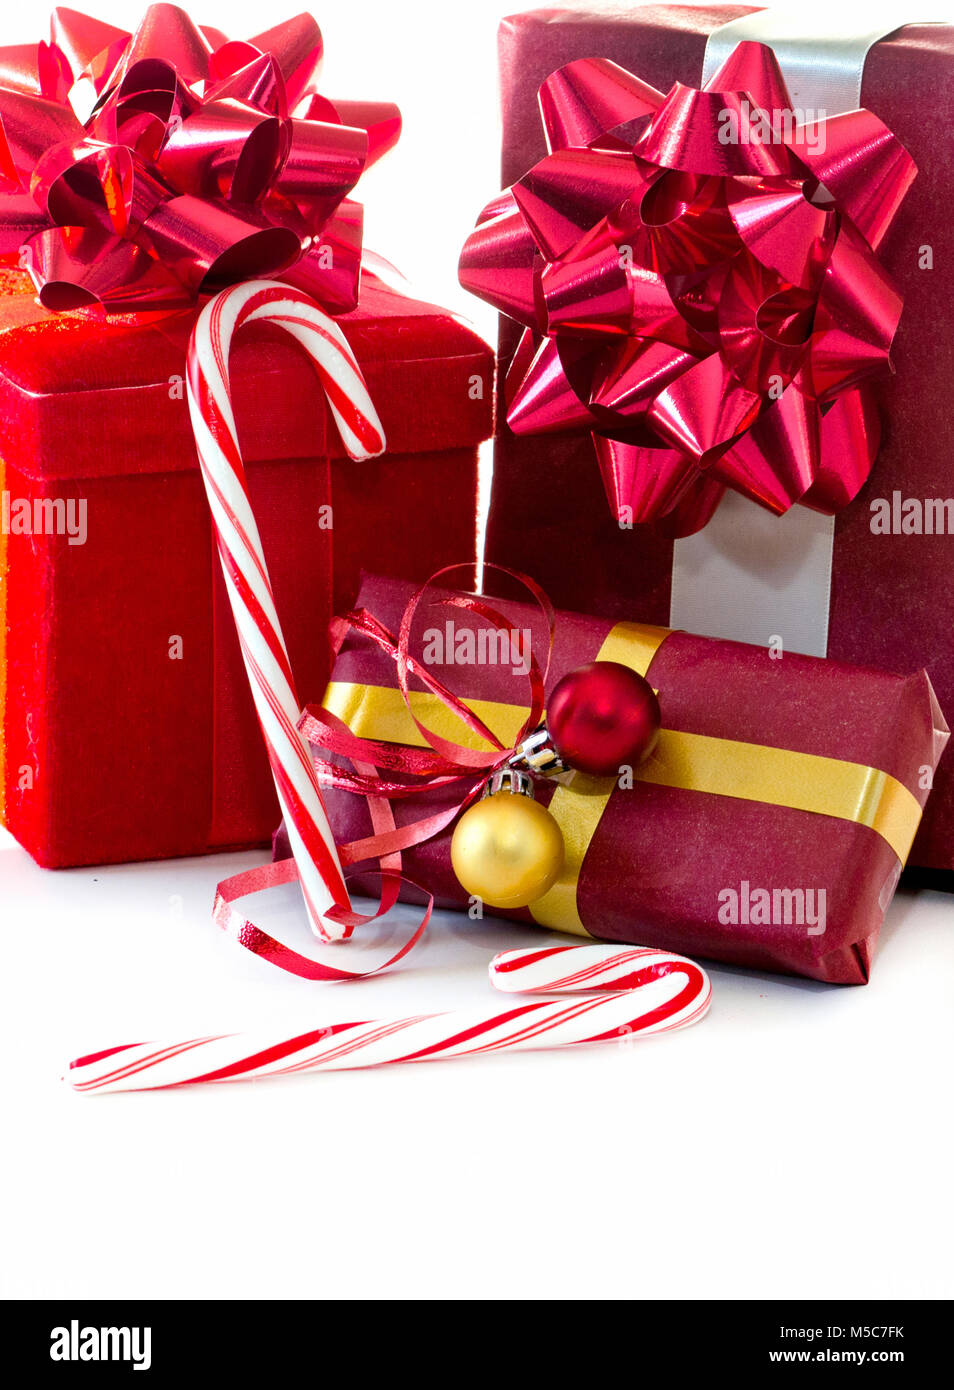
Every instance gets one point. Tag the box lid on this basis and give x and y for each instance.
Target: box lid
(81, 396)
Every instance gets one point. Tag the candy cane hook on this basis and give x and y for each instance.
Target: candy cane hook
(638, 992)
(243, 559)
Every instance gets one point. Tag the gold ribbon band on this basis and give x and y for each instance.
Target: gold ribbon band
(692, 762)
(579, 803)
(781, 777)
(379, 712)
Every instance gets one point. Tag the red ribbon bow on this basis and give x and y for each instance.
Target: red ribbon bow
(139, 171)
(702, 272)
(442, 764)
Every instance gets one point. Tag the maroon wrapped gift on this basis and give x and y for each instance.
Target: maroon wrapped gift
(892, 573)
(767, 829)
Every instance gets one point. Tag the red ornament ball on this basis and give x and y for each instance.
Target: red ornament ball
(603, 717)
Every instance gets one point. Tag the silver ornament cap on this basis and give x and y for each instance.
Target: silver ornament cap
(538, 754)
(509, 779)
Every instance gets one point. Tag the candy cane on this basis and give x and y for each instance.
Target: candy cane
(643, 992)
(243, 560)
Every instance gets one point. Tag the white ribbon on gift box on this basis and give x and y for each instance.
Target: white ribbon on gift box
(750, 575)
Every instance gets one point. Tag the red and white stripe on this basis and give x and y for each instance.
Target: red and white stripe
(243, 560)
(639, 992)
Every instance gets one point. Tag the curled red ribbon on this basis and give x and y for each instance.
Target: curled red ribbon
(139, 171)
(697, 278)
(441, 764)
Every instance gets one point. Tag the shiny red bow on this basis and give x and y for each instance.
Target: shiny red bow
(139, 171)
(702, 272)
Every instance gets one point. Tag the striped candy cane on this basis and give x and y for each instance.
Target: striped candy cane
(638, 992)
(243, 560)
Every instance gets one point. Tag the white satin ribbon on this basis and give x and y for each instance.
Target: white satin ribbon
(749, 575)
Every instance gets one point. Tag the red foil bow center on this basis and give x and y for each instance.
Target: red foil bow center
(698, 281)
(139, 171)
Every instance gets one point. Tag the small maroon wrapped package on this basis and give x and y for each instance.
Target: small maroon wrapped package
(767, 829)
(885, 568)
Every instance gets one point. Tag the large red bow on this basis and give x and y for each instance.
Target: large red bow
(141, 170)
(701, 270)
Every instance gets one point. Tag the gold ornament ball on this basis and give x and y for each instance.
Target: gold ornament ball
(507, 850)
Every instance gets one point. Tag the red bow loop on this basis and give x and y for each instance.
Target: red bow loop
(442, 763)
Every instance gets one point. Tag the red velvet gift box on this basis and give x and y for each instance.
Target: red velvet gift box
(767, 828)
(128, 729)
(891, 594)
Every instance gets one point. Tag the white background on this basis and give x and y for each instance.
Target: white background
(795, 1144)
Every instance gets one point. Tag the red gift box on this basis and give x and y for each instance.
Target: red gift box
(890, 594)
(128, 727)
(791, 778)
